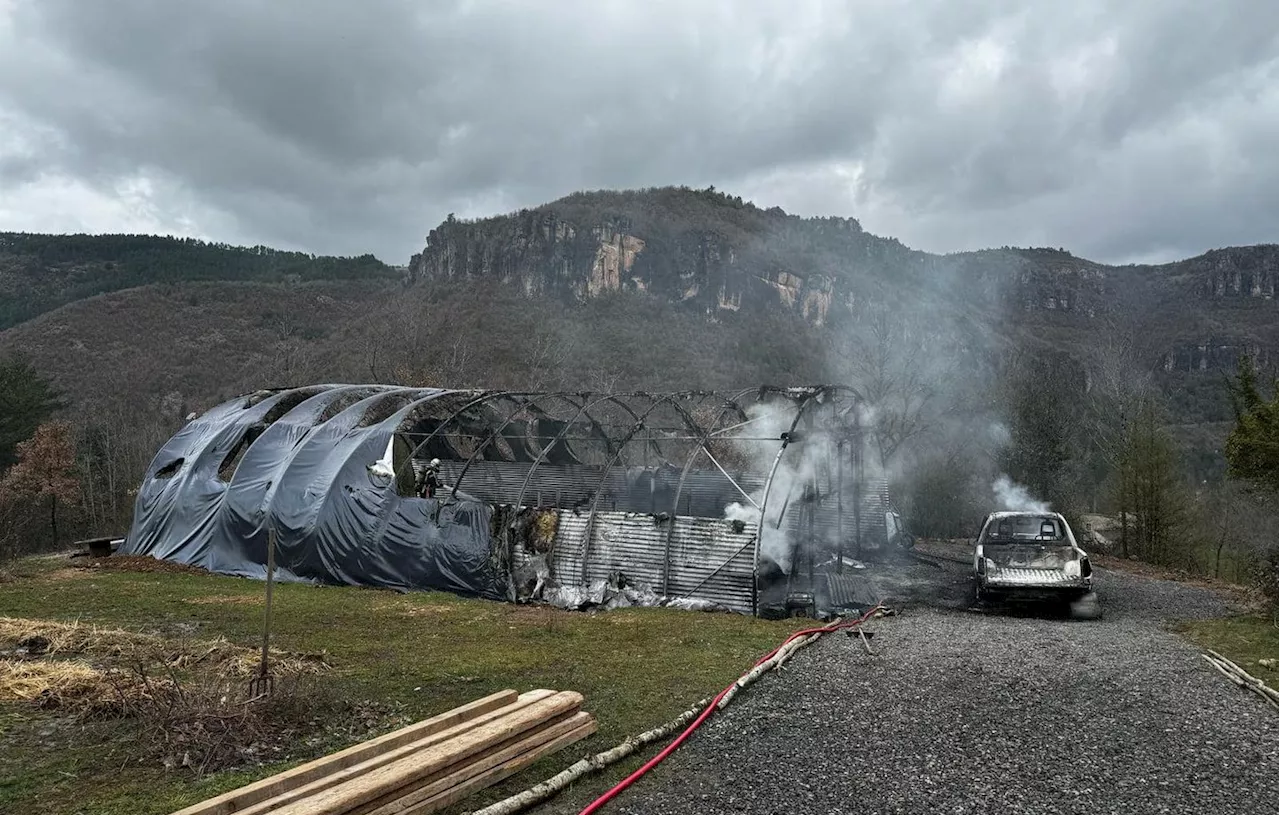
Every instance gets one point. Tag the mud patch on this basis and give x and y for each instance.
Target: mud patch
(69, 573)
(137, 563)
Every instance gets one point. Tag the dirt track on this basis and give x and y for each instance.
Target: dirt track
(966, 712)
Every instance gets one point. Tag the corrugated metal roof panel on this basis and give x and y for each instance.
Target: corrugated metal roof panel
(566, 554)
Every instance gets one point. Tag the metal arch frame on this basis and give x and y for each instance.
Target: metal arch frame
(484, 396)
(729, 403)
(657, 401)
(583, 409)
(532, 404)
(492, 437)
(617, 399)
(803, 404)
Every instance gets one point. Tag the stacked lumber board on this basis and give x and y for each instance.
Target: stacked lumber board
(421, 768)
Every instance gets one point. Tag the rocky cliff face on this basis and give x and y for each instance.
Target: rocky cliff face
(547, 251)
(725, 258)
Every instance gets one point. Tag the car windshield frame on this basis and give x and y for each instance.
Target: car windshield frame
(1030, 528)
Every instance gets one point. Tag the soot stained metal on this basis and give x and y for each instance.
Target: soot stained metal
(759, 501)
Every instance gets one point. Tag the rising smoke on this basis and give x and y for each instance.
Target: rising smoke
(1015, 497)
(804, 465)
(757, 441)
(922, 351)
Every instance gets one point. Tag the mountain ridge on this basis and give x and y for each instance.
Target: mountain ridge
(710, 255)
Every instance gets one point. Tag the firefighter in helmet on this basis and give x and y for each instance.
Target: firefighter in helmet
(430, 480)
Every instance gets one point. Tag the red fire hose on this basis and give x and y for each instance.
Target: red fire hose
(595, 805)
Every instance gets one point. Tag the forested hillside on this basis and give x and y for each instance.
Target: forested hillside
(38, 273)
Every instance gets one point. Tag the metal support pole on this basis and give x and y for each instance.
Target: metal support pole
(725, 473)
(856, 450)
(840, 507)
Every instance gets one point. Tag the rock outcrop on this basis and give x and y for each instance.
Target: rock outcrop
(727, 258)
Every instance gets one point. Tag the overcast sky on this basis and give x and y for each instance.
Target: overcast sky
(1135, 130)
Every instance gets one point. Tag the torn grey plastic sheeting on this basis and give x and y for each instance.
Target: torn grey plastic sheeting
(309, 473)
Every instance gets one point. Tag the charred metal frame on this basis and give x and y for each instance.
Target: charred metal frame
(501, 410)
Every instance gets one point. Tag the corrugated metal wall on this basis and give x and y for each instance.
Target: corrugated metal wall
(708, 559)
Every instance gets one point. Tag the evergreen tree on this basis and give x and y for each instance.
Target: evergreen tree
(1251, 451)
(26, 400)
(1251, 448)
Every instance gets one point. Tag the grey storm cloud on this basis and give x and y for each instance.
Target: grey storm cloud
(1122, 131)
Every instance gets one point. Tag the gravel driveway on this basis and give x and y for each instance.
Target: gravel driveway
(965, 712)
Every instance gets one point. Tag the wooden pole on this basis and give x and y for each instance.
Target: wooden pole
(1241, 677)
(263, 670)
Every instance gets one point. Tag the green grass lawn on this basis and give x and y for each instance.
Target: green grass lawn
(1243, 639)
(424, 652)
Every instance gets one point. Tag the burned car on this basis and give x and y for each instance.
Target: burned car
(1030, 556)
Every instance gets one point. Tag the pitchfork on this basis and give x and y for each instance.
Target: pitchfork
(264, 684)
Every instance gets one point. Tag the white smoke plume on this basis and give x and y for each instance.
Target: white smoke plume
(746, 513)
(1015, 497)
(760, 440)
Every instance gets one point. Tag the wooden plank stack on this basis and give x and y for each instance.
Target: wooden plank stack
(421, 768)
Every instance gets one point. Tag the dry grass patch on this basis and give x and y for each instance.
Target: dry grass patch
(220, 657)
(37, 681)
(69, 573)
(189, 700)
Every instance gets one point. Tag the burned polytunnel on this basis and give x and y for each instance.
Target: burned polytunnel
(758, 501)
